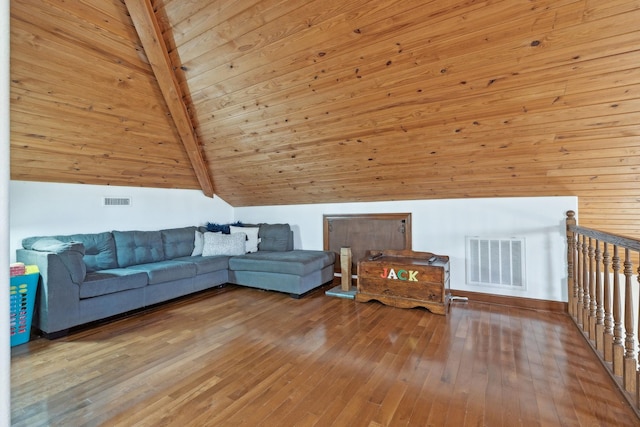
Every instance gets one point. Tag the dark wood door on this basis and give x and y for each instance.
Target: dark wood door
(366, 232)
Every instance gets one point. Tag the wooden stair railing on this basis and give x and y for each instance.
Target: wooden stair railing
(601, 300)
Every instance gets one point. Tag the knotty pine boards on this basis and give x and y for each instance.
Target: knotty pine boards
(333, 101)
(85, 106)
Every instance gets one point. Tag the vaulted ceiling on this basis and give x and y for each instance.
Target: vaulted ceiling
(267, 102)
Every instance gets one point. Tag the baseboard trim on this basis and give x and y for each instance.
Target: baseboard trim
(533, 304)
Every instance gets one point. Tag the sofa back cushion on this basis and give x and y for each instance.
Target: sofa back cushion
(70, 253)
(275, 237)
(178, 242)
(99, 249)
(138, 247)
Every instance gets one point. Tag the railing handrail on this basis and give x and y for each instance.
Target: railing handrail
(603, 236)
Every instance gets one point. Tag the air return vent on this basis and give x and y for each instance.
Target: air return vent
(496, 262)
(116, 201)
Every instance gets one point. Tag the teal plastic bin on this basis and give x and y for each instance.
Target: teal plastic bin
(22, 295)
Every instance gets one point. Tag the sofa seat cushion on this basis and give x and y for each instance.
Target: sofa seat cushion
(166, 271)
(207, 264)
(110, 281)
(296, 262)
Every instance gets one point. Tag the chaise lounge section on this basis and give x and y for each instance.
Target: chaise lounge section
(89, 277)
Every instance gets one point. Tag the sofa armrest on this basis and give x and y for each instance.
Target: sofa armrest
(58, 297)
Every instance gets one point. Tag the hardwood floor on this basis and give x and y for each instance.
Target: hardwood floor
(239, 356)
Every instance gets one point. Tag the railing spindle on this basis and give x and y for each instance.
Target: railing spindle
(599, 328)
(638, 353)
(586, 286)
(579, 283)
(630, 365)
(593, 306)
(608, 306)
(572, 285)
(618, 348)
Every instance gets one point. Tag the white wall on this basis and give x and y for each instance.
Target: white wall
(441, 226)
(43, 209)
(5, 353)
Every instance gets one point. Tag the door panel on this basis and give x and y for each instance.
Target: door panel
(364, 232)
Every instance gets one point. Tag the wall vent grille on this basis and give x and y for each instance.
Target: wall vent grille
(496, 262)
(116, 201)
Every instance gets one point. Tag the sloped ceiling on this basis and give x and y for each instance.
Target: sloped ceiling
(337, 101)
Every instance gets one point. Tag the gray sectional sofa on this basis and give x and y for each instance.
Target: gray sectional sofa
(89, 277)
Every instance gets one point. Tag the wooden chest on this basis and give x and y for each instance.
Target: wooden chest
(405, 279)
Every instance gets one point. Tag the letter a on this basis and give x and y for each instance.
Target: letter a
(392, 274)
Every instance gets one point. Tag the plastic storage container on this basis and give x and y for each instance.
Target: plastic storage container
(22, 296)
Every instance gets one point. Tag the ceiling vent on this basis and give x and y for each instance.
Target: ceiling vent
(116, 201)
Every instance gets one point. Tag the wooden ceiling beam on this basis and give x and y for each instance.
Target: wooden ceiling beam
(148, 29)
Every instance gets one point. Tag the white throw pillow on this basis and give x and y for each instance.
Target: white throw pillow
(198, 243)
(224, 244)
(252, 236)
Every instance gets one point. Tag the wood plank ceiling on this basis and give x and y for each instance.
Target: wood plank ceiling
(337, 101)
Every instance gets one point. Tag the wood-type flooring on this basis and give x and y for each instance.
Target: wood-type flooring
(240, 356)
